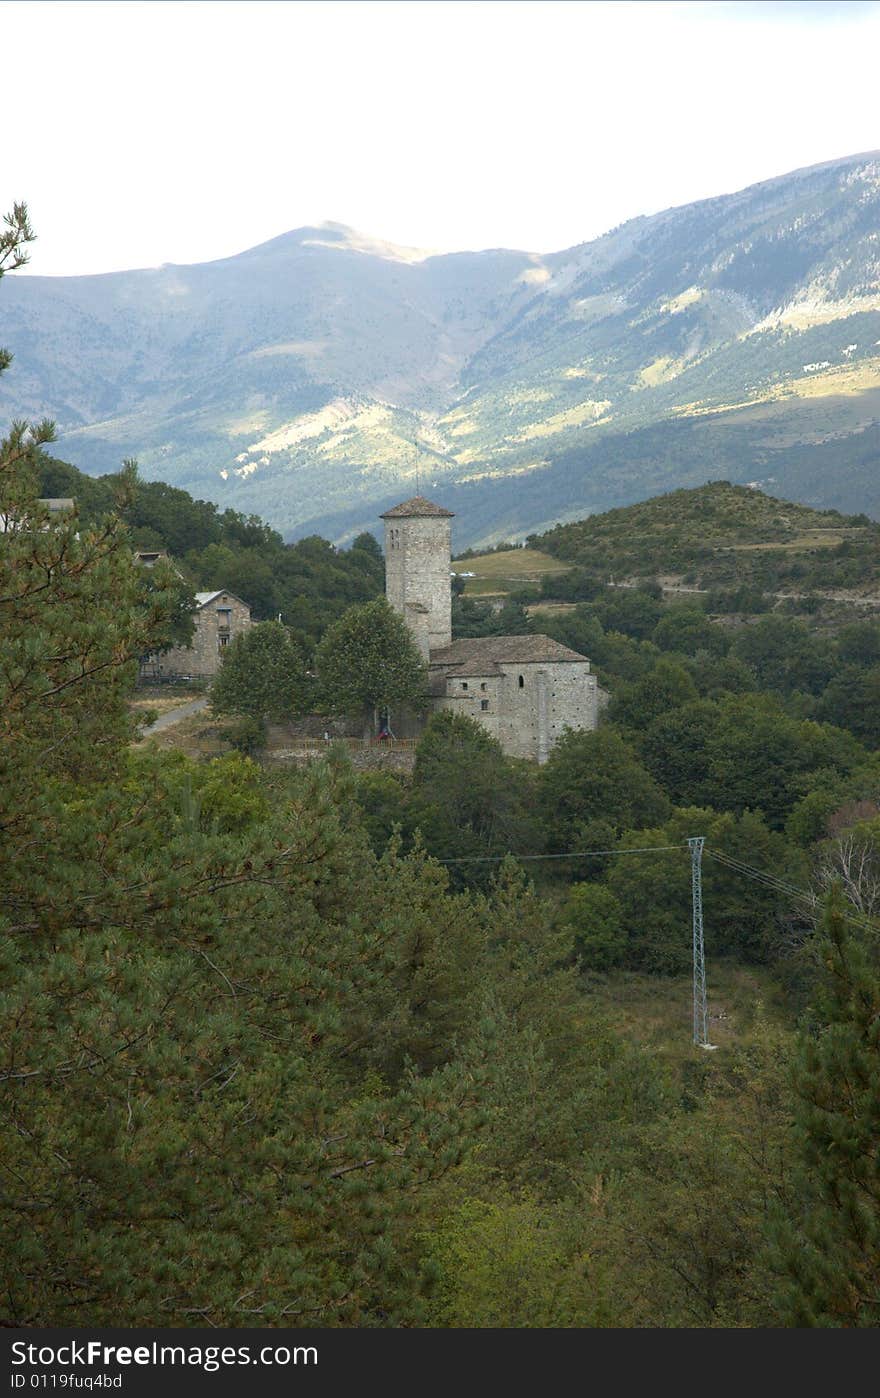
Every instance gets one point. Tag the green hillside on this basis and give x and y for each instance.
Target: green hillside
(723, 533)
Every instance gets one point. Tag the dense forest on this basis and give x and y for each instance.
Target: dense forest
(309, 583)
(321, 1046)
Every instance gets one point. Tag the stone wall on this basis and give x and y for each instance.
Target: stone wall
(369, 759)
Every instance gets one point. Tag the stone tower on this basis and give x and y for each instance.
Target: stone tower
(418, 551)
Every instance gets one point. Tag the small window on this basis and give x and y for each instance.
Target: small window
(223, 640)
(521, 682)
(484, 704)
(464, 684)
(483, 685)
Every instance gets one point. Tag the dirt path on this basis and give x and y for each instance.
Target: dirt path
(175, 715)
(837, 596)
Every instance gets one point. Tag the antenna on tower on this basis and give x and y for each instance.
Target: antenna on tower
(701, 1004)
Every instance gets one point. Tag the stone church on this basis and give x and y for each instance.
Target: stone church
(524, 690)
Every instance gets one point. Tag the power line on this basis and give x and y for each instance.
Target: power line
(761, 875)
(572, 854)
(738, 866)
(697, 846)
(789, 890)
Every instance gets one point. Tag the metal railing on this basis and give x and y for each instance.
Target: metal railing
(354, 744)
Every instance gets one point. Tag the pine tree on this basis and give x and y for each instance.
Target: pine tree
(828, 1247)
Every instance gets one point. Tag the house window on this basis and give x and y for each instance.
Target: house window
(521, 682)
(484, 704)
(464, 684)
(222, 641)
(394, 538)
(483, 685)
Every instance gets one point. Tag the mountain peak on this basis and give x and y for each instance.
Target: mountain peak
(345, 239)
(341, 237)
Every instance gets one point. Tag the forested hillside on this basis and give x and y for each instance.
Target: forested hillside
(322, 1047)
(265, 1056)
(309, 583)
(725, 535)
(271, 1054)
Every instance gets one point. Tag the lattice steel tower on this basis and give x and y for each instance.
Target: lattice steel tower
(701, 1005)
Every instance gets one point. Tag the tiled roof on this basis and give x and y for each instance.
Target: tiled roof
(203, 598)
(58, 502)
(417, 507)
(485, 669)
(481, 653)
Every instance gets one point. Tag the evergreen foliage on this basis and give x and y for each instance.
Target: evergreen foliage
(264, 1060)
(463, 803)
(828, 1247)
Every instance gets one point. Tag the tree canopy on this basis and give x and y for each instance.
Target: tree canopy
(368, 661)
(262, 674)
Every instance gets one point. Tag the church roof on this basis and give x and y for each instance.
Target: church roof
(417, 507)
(485, 669)
(482, 654)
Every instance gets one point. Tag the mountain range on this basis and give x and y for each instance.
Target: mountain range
(321, 376)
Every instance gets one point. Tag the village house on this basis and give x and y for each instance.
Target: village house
(219, 617)
(524, 690)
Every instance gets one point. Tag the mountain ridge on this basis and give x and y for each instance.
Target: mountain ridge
(312, 377)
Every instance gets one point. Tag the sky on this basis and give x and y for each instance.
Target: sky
(142, 132)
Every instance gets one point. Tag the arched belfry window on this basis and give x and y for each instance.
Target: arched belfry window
(521, 682)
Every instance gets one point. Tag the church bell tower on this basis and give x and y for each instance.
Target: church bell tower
(418, 553)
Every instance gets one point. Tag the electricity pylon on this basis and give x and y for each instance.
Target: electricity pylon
(701, 1004)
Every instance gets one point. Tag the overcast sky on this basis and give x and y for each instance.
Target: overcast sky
(143, 133)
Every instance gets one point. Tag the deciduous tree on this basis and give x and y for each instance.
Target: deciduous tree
(368, 661)
(262, 675)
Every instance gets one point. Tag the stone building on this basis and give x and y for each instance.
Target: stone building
(218, 617)
(524, 690)
(418, 550)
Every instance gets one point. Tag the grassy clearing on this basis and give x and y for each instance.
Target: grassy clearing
(507, 570)
(657, 1013)
(200, 735)
(810, 539)
(550, 608)
(161, 704)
